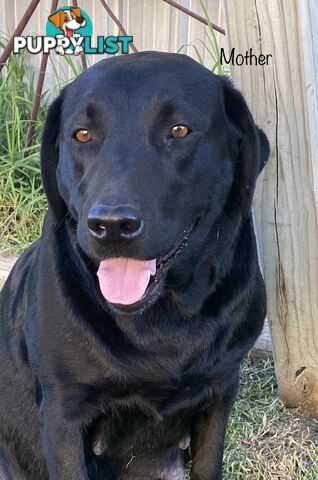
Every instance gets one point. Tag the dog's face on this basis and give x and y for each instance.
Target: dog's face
(68, 20)
(144, 161)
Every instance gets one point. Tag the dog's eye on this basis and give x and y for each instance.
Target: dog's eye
(83, 135)
(179, 131)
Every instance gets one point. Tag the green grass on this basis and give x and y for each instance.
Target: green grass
(266, 441)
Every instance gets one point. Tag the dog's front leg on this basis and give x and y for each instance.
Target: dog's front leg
(207, 438)
(63, 444)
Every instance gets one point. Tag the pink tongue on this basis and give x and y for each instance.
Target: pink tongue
(69, 32)
(124, 280)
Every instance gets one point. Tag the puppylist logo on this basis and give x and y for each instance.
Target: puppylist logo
(69, 31)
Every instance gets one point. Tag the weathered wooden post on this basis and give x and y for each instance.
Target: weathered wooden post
(283, 96)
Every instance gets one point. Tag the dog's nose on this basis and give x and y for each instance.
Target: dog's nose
(80, 19)
(120, 222)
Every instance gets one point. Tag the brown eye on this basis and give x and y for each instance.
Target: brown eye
(83, 135)
(179, 131)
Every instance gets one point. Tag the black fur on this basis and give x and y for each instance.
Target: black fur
(92, 390)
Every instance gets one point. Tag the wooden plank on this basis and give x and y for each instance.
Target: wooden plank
(136, 20)
(309, 33)
(263, 348)
(6, 264)
(161, 21)
(286, 204)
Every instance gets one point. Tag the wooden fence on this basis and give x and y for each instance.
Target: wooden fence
(283, 98)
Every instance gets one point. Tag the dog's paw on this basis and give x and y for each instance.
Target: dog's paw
(78, 50)
(60, 50)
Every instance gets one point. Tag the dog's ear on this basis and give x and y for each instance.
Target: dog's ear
(253, 148)
(76, 11)
(49, 161)
(57, 18)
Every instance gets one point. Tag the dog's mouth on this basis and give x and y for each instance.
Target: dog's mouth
(69, 31)
(130, 284)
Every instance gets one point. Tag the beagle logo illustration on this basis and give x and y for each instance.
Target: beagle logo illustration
(69, 31)
(68, 20)
(69, 26)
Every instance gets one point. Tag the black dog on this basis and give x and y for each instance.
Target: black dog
(123, 327)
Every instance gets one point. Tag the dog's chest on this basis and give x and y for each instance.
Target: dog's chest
(160, 380)
(161, 369)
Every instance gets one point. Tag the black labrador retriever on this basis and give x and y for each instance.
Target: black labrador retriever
(123, 327)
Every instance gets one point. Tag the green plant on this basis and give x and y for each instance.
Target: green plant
(211, 46)
(75, 68)
(22, 201)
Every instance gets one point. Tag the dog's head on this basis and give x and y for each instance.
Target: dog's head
(68, 20)
(145, 162)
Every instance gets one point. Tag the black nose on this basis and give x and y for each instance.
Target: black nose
(120, 222)
(80, 19)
